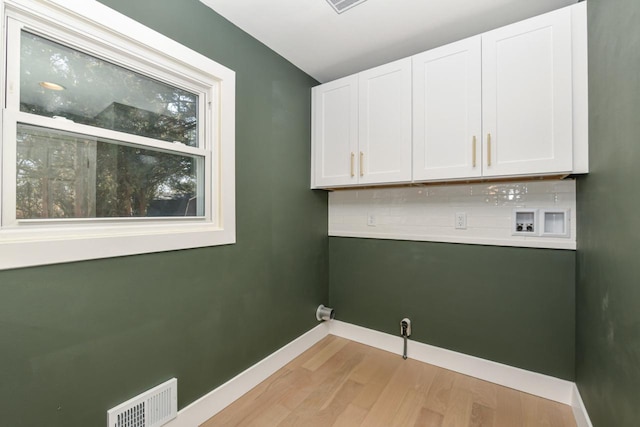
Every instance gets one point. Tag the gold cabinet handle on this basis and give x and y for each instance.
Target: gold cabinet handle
(361, 163)
(352, 159)
(488, 149)
(473, 152)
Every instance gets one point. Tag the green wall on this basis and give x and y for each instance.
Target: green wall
(608, 267)
(79, 338)
(509, 305)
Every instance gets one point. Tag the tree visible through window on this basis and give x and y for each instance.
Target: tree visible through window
(61, 175)
(64, 175)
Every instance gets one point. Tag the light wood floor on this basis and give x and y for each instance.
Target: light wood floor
(342, 383)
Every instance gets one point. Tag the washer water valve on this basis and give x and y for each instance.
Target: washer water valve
(405, 332)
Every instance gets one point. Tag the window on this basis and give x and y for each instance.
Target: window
(115, 139)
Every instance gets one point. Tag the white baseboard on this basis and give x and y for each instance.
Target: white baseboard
(216, 400)
(534, 383)
(579, 410)
(516, 378)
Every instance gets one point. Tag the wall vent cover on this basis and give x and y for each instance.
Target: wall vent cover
(152, 408)
(342, 5)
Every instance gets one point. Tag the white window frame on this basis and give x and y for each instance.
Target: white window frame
(121, 40)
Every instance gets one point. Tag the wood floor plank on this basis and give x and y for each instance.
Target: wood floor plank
(481, 416)
(373, 364)
(384, 366)
(409, 410)
(428, 418)
(460, 405)
(296, 395)
(272, 415)
(253, 404)
(411, 407)
(484, 393)
(509, 409)
(324, 393)
(341, 383)
(299, 391)
(540, 412)
(325, 354)
(306, 415)
(440, 391)
(352, 416)
(390, 400)
(312, 352)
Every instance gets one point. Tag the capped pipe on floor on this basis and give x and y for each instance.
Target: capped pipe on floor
(325, 313)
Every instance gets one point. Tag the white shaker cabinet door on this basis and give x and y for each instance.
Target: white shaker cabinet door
(447, 106)
(527, 96)
(384, 154)
(335, 133)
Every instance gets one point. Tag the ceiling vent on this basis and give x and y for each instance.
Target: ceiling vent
(342, 5)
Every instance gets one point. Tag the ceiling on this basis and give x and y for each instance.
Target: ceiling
(327, 45)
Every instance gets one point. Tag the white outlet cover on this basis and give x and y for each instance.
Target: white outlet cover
(371, 220)
(460, 221)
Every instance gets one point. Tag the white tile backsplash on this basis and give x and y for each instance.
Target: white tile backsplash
(427, 213)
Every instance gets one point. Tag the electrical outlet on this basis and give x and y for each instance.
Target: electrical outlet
(371, 220)
(461, 220)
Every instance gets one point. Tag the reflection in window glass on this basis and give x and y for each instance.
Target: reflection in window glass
(64, 175)
(58, 81)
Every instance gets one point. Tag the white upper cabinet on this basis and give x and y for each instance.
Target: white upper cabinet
(507, 103)
(335, 132)
(527, 97)
(447, 112)
(385, 123)
(362, 128)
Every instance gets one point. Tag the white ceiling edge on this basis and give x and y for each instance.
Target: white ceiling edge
(327, 45)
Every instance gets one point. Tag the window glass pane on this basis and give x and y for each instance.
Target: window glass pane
(59, 81)
(65, 175)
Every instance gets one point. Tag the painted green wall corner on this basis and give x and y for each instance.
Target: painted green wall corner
(509, 305)
(608, 271)
(77, 339)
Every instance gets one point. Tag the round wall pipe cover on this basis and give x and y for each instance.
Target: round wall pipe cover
(325, 313)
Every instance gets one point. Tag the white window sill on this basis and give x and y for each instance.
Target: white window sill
(17, 252)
